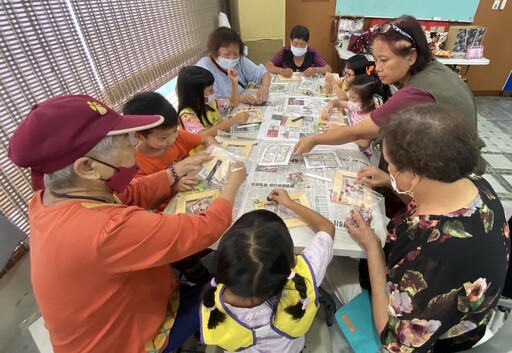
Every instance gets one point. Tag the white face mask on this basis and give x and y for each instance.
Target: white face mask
(226, 63)
(395, 187)
(209, 99)
(354, 107)
(298, 51)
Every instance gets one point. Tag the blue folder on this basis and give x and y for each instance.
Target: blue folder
(356, 322)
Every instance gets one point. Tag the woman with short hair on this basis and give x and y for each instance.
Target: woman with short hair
(226, 50)
(444, 264)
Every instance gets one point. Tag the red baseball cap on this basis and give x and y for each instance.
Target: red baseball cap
(62, 129)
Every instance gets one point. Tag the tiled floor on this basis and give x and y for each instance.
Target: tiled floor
(495, 128)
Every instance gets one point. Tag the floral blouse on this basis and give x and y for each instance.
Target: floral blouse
(445, 274)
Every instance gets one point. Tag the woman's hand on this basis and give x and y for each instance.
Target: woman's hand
(240, 118)
(186, 183)
(310, 71)
(280, 196)
(262, 94)
(233, 75)
(362, 233)
(304, 145)
(191, 164)
(247, 98)
(373, 177)
(286, 72)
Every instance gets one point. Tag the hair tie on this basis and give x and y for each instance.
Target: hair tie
(209, 309)
(291, 275)
(305, 303)
(369, 69)
(213, 283)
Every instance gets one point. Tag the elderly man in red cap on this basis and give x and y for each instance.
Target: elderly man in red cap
(100, 261)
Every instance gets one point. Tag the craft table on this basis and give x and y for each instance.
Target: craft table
(262, 180)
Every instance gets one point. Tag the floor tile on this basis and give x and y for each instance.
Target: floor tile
(498, 161)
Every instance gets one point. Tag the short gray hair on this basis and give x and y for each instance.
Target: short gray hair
(66, 177)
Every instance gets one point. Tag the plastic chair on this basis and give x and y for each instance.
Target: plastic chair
(500, 341)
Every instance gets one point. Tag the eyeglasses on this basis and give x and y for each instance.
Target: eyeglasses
(387, 26)
(347, 74)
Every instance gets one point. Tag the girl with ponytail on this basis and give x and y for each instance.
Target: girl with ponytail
(263, 295)
(365, 94)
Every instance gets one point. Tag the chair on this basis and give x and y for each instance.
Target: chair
(500, 341)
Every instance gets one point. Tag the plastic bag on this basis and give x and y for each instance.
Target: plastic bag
(217, 170)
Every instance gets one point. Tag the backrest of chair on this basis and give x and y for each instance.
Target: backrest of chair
(498, 343)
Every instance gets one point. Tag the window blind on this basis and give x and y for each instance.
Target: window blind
(41, 57)
(140, 45)
(109, 49)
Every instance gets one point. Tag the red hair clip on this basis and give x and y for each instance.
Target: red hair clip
(369, 69)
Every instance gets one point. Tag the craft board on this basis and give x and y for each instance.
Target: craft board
(293, 221)
(276, 155)
(197, 202)
(321, 160)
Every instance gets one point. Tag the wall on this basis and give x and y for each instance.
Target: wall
(317, 15)
(497, 48)
(261, 26)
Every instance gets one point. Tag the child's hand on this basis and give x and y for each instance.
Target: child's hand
(329, 79)
(186, 183)
(280, 196)
(286, 72)
(329, 125)
(328, 88)
(326, 112)
(248, 99)
(241, 118)
(233, 75)
(238, 175)
(208, 140)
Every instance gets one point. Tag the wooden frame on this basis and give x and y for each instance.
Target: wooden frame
(181, 203)
(344, 191)
(290, 222)
(246, 144)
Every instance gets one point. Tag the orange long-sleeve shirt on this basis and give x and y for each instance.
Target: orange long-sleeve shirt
(185, 142)
(101, 273)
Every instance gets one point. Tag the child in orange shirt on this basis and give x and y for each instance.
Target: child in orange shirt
(160, 147)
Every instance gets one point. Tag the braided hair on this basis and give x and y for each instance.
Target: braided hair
(254, 260)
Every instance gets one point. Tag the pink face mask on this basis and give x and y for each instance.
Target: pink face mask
(121, 178)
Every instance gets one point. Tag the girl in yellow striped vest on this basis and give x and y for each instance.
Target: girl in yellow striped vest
(264, 297)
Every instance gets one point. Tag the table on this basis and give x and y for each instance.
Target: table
(262, 180)
(345, 54)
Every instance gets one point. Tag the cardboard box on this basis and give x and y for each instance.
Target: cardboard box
(261, 51)
(461, 37)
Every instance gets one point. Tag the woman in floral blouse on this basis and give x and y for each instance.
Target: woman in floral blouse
(444, 263)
